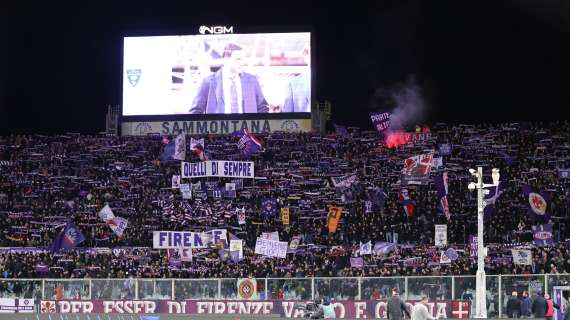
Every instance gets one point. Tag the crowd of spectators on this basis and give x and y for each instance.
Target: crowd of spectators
(46, 181)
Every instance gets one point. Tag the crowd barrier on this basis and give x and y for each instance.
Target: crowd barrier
(340, 290)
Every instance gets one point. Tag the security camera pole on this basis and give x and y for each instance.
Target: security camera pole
(481, 290)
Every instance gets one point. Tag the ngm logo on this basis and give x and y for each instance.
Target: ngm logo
(215, 29)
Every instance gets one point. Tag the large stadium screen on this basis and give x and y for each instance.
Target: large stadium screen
(217, 74)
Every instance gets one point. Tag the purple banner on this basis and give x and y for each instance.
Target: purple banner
(542, 235)
(283, 308)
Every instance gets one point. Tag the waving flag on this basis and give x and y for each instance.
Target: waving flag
(180, 147)
(416, 169)
(335, 213)
(240, 215)
(492, 196)
(168, 151)
(248, 144)
(381, 121)
(366, 248)
(269, 206)
(442, 190)
(198, 146)
(409, 205)
(356, 262)
(67, 238)
(538, 203)
(384, 247)
(452, 254)
(542, 234)
(117, 224)
(378, 198)
(341, 131)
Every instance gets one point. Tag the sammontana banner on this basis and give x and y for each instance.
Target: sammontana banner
(221, 169)
(215, 126)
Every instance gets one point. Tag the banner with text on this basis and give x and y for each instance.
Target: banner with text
(350, 309)
(188, 239)
(221, 169)
(271, 248)
(215, 126)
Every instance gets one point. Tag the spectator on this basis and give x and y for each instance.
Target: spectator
(513, 306)
(396, 308)
(525, 305)
(420, 310)
(539, 306)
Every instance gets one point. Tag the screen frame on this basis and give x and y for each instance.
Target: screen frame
(241, 116)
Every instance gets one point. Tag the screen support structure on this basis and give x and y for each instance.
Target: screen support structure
(112, 120)
(320, 115)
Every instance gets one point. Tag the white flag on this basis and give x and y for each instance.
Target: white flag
(366, 248)
(186, 191)
(106, 213)
(522, 257)
(440, 235)
(443, 258)
(180, 147)
(185, 254)
(118, 225)
(240, 215)
(175, 181)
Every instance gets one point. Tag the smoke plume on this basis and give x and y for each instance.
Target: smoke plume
(409, 105)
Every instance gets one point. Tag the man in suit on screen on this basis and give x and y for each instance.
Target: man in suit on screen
(230, 90)
(297, 93)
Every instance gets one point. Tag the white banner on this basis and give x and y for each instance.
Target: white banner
(185, 254)
(180, 147)
(16, 305)
(270, 235)
(271, 248)
(188, 239)
(186, 191)
(440, 235)
(214, 126)
(176, 181)
(228, 169)
(240, 215)
(522, 257)
(195, 142)
(237, 245)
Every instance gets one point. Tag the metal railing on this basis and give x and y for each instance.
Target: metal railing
(499, 288)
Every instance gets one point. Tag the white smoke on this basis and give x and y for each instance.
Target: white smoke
(406, 102)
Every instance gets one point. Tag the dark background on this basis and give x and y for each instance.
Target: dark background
(474, 60)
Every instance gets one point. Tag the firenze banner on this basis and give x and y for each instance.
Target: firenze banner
(284, 309)
(221, 169)
(188, 239)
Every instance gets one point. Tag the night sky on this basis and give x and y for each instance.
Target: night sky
(474, 60)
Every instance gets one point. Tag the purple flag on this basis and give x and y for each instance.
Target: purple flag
(441, 188)
(384, 247)
(357, 262)
(381, 120)
(538, 203)
(542, 234)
